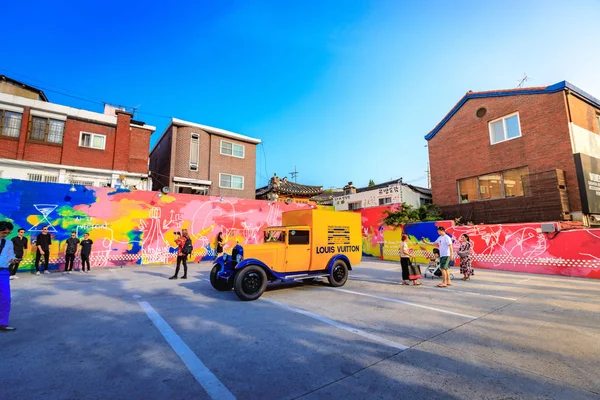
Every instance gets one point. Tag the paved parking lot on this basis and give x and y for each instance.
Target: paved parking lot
(132, 334)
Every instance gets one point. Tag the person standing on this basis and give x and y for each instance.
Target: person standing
(219, 245)
(465, 252)
(7, 257)
(180, 240)
(410, 272)
(42, 243)
(86, 250)
(444, 243)
(70, 251)
(19, 245)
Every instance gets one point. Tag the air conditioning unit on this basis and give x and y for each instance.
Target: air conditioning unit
(194, 167)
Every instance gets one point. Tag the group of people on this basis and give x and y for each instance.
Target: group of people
(12, 252)
(445, 249)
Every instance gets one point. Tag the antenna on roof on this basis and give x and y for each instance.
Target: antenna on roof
(294, 174)
(523, 80)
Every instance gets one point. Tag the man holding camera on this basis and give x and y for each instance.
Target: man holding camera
(7, 257)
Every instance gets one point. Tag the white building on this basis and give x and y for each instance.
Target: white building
(387, 193)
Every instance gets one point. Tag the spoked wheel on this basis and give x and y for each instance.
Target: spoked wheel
(220, 284)
(339, 274)
(250, 283)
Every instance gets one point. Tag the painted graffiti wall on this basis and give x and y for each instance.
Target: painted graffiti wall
(132, 227)
(512, 247)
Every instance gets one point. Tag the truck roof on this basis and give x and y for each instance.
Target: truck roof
(289, 227)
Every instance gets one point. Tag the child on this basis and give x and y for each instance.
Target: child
(435, 260)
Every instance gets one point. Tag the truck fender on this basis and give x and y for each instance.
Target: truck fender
(339, 257)
(253, 261)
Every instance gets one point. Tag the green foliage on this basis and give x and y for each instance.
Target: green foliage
(328, 191)
(407, 214)
(371, 183)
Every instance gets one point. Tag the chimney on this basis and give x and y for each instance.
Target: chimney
(122, 141)
(349, 189)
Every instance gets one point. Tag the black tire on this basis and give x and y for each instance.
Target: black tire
(339, 274)
(220, 284)
(250, 283)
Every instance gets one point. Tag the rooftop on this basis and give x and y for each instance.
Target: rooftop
(558, 87)
(292, 188)
(24, 86)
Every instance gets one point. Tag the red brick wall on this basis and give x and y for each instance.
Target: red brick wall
(131, 144)
(182, 154)
(160, 162)
(83, 157)
(462, 148)
(245, 167)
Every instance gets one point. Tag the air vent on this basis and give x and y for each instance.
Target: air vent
(195, 136)
(194, 167)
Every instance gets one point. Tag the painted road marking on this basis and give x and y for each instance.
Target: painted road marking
(524, 280)
(211, 384)
(408, 303)
(356, 331)
(392, 269)
(436, 288)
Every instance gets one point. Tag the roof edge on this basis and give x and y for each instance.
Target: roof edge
(216, 131)
(557, 87)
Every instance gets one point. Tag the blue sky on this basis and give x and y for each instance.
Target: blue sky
(341, 90)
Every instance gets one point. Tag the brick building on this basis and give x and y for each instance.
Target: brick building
(43, 141)
(199, 159)
(514, 155)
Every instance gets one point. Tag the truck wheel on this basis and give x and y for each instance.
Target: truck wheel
(250, 283)
(339, 274)
(220, 284)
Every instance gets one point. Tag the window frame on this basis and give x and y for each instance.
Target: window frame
(598, 121)
(503, 119)
(289, 237)
(91, 140)
(503, 189)
(46, 131)
(2, 116)
(382, 201)
(221, 174)
(232, 149)
(196, 137)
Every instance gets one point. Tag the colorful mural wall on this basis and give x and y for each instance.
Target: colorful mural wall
(513, 247)
(132, 227)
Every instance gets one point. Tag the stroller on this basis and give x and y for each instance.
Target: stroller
(434, 266)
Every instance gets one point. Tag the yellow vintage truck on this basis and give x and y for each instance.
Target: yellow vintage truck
(310, 244)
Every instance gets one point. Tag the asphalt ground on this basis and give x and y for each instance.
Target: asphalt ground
(130, 333)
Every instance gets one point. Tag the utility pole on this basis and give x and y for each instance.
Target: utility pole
(294, 174)
(428, 177)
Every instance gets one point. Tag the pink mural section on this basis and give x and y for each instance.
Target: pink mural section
(511, 247)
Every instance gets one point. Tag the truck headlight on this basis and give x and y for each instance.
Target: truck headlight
(239, 258)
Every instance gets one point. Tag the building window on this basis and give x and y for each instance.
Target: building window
(299, 237)
(354, 206)
(227, 181)
(82, 183)
(385, 200)
(194, 152)
(232, 149)
(505, 128)
(509, 183)
(47, 130)
(467, 190)
(598, 120)
(202, 191)
(42, 178)
(92, 141)
(10, 123)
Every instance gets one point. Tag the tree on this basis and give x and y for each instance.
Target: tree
(371, 183)
(407, 214)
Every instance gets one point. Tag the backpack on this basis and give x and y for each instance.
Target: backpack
(187, 247)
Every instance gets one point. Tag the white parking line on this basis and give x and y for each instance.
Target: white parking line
(436, 288)
(358, 332)
(524, 280)
(211, 384)
(408, 303)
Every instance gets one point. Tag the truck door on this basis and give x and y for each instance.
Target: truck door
(297, 251)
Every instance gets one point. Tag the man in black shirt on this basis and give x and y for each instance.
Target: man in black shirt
(70, 250)
(19, 244)
(42, 244)
(86, 249)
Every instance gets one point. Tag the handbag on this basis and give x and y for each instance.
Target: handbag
(463, 254)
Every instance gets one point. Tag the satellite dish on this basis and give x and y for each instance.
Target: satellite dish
(165, 190)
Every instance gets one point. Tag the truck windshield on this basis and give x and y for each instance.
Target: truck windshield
(274, 236)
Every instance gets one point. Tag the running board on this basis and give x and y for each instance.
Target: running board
(304, 276)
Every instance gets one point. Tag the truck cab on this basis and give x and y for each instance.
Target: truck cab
(309, 244)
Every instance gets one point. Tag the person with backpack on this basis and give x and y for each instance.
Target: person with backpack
(183, 242)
